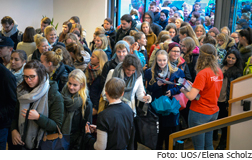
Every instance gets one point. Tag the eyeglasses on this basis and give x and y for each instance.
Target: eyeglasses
(175, 51)
(146, 17)
(31, 77)
(235, 37)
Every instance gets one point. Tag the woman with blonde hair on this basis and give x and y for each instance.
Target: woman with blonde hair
(93, 74)
(55, 67)
(98, 30)
(187, 31)
(199, 30)
(224, 42)
(77, 108)
(178, 22)
(163, 69)
(204, 95)
(101, 42)
(42, 46)
(51, 36)
(225, 30)
(80, 57)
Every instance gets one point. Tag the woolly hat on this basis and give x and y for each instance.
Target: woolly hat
(165, 11)
(124, 43)
(215, 30)
(172, 45)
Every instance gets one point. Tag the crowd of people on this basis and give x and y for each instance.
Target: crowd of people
(91, 92)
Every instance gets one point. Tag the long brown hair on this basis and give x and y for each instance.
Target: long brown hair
(207, 58)
(189, 32)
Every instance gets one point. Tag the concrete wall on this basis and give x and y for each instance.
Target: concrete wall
(26, 12)
(29, 12)
(91, 13)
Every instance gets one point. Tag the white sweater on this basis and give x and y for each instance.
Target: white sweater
(138, 90)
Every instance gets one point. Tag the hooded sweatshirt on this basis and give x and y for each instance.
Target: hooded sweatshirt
(155, 27)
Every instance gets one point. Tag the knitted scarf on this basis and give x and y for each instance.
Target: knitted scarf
(18, 74)
(71, 104)
(11, 32)
(93, 72)
(130, 81)
(39, 97)
(174, 63)
(160, 73)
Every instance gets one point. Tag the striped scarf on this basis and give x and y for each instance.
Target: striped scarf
(93, 72)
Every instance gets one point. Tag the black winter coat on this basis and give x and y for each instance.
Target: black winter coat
(121, 33)
(61, 75)
(106, 68)
(8, 97)
(232, 73)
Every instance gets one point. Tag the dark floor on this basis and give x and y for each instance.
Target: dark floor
(188, 145)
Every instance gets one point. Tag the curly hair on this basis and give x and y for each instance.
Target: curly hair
(132, 60)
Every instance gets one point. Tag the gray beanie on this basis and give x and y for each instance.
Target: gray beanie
(125, 44)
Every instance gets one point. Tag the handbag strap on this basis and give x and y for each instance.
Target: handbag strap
(54, 135)
(26, 123)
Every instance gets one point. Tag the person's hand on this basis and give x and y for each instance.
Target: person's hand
(92, 128)
(168, 93)
(33, 114)
(182, 89)
(145, 67)
(16, 138)
(87, 130)
(190, 82)
(146, 98)
(159, 83)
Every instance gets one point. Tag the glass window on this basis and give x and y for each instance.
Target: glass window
(181, 8)
(126, 6)
(240, 15)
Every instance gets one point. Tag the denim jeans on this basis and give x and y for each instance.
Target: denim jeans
(204, 140)
(3, 138)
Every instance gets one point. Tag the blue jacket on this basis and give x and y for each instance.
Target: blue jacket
(157, 91)
(163, 24)
(108, 52)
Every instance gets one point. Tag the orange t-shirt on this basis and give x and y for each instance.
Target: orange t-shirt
(210, 86)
